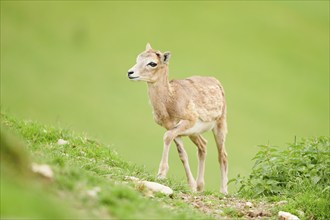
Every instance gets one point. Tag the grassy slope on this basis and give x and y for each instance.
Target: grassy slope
(84, 164)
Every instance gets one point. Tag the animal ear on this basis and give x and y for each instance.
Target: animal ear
(148, 47)
(166, 57)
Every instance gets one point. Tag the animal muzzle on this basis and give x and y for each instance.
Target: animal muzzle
(130, 75)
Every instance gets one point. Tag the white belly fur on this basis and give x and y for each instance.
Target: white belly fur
(199, 128)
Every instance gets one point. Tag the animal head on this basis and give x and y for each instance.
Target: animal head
(148, 65)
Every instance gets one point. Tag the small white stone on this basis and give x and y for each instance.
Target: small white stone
(286, 216)
(219, 212)
(248, 204)
(93, 192)
(43, 169)
(157, 187)
(283, 202)
(62, 142)
(132, 178)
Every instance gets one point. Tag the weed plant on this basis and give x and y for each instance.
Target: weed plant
(300, 173)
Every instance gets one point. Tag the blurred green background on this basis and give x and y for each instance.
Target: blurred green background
(65, 63)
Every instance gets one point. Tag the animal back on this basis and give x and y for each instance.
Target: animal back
(206, 95)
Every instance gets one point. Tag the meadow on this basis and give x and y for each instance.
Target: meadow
(65, 64)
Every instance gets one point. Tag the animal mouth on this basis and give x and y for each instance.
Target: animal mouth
(133, 77)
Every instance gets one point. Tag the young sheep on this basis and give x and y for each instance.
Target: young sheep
(187, 107)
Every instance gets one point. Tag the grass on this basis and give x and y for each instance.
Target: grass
(65, 62)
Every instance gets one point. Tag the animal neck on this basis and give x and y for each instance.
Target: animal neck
(160, 92)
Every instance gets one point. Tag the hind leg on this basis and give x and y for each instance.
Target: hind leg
(200, 142)
(219, 132)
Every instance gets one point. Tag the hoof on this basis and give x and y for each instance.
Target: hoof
(200, 186)
(224, 191)
(161, 177)
(193, 187)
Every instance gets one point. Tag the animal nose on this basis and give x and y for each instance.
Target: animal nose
(130, 73)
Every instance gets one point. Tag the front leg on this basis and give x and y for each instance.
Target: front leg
(169, 136)
(163, 166)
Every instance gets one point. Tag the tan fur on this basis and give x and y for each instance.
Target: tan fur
(186, 107)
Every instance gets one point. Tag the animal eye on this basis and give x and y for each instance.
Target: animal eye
(152, 64)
